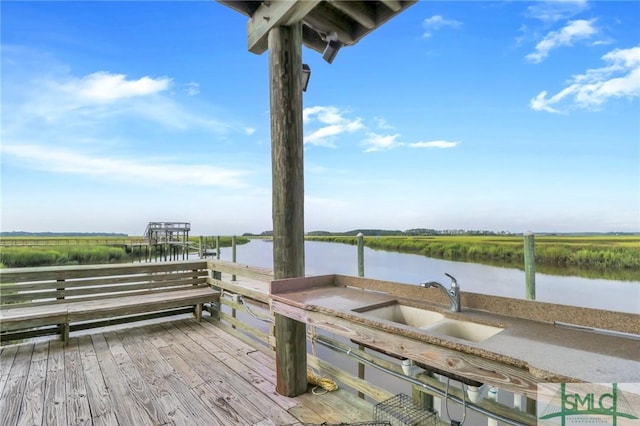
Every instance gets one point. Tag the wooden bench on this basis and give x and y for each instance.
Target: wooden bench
(52, 300)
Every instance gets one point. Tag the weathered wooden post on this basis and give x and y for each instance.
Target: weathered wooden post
(360, 254)
(200, 247)
(530, 265)
(276, 26)
(218, 247)
(530, 291)
(361, 274)
(285, 68)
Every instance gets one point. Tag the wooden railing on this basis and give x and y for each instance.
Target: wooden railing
(244, 311)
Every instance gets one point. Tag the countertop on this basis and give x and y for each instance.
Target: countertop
(548, 352)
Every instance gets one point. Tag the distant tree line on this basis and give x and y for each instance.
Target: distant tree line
(390, 233)
(61, 234)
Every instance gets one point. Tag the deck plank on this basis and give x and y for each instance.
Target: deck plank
(55, 404)
(78, 411)
(166, 384)
(228, 405)
(179, 372)
(258, 370)
(33, 400)
(137, 384)
(252, 382)
(330, 407)
(11, 399)
(7, 356)
(123, 403)
(97, 393)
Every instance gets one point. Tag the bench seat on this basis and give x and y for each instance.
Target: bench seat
(15, 318)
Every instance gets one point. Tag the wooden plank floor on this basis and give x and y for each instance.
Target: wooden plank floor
(181, 372)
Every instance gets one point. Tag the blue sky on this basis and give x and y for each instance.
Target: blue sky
(508, 116)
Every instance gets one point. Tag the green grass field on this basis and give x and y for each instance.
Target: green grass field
(81, 250)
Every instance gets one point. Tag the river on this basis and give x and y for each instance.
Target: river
(334, 258)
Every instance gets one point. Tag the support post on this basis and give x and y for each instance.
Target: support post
(361, 367)
(530, 265)
(285, 87)
(218, 247)
(200, 247)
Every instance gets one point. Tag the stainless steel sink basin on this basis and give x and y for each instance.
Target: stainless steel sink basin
(465, 330)
(403, 314)
(429, 321)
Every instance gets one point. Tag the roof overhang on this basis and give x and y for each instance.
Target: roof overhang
(342, 21)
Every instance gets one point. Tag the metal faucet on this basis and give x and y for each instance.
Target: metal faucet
(453, 293)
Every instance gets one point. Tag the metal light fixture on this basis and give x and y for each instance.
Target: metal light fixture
(306, 76)
(331, 50)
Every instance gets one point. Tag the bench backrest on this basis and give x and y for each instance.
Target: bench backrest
(39, 286)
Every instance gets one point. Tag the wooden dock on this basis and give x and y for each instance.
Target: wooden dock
(179, 372)
(222, 369)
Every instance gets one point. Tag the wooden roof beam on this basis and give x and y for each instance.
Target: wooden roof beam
(271, 14)
(327, 19)
(358, 11)
(394, 5)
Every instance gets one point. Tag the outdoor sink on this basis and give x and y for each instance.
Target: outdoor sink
(429, 321)
(465, 330)
(403, 314)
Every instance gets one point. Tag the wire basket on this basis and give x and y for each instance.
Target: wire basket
(400, 410)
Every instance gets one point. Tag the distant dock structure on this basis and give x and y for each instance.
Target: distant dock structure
(167, 232)
(169, 239)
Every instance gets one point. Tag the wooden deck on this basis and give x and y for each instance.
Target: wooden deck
(181, 372)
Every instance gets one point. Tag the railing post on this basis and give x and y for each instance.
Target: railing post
(64, 331)
(233, 254)
(530, 265)
(218, 247)
(200, 247)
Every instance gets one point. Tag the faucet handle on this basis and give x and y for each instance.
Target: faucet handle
(454, 282)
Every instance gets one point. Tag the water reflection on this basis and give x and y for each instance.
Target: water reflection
(333, 258)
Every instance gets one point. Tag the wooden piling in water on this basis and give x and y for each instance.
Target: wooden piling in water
(530, 265)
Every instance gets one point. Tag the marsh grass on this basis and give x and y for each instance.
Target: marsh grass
(83, 251)
(595, 257)
(17, 257)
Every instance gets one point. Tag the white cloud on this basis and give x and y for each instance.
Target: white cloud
(44, 158)
(580, 29)
(620, 78)
(376, 142)
(106, 87)
(437, 22)
(434, 144)
(192, 88)
(382, 123)
(249, 130)
(556, 10)
(102, 101)
(333, 123)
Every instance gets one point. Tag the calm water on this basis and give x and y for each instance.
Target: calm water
(332, 258)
